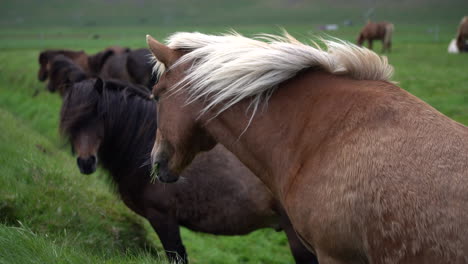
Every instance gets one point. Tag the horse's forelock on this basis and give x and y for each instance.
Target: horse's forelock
(79, 106)
(117, 102)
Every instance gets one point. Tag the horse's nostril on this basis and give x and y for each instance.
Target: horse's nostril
(87, 161)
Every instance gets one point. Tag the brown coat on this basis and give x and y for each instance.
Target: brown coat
(367, 172)
(377, 31)
(462, 35)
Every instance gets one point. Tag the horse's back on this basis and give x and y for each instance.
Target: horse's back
(115, 68)
(139, 67)
(378, 30)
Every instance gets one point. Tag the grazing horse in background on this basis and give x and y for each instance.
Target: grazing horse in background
(86, 62)
(114, 62)
(462, 35)
(96, 62)
(140, 67)
(114, 123)
(80, 58)
(377, 31)
(366, 172)
(63, 73)
(133, 66)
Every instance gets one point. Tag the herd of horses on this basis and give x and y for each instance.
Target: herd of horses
(247, 133)
(112, 121)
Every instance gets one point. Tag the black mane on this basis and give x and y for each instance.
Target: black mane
(127, 114)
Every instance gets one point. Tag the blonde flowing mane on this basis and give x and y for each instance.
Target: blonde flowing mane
(226, 69)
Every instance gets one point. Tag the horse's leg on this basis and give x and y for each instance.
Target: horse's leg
(370, 43)
(168, 231)
(300, 253)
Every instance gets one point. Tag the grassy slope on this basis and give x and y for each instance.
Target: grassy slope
(41, 190)
(29, 248)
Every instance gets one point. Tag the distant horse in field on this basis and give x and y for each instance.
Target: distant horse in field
(63, 73)
(114, 123)
(462, 35)
(366, 172)
(377, 31)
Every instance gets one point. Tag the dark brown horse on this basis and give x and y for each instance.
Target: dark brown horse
(366, 172)
(462, 35)
(91, 65)
(114, 62)
(140, 67)
(133, 66)
(96, 62)
(63, 73)
(114, 123)
(377, 31)
(80, 58)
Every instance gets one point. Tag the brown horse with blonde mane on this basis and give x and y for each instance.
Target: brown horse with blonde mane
(377, 31)
(462, 35)
(366, 172)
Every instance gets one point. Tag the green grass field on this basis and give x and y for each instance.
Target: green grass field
(50, 213)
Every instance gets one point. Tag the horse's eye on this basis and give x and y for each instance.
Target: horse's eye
(155, 98)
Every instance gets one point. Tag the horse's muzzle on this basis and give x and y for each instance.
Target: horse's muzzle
(161, 171)
(42, 76)
(87, 165)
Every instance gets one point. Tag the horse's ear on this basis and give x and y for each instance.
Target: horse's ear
(43, 57)
(99, 85)
(97, 61)
(162, 52)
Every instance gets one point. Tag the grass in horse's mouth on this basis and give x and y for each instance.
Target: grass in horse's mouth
(154, 172)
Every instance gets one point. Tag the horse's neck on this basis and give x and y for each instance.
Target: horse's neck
(122, 156)
(279, 137)
(80, 58)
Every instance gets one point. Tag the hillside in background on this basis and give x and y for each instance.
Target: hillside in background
(92, 13)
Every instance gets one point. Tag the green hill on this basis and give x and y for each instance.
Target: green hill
(225, 13)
